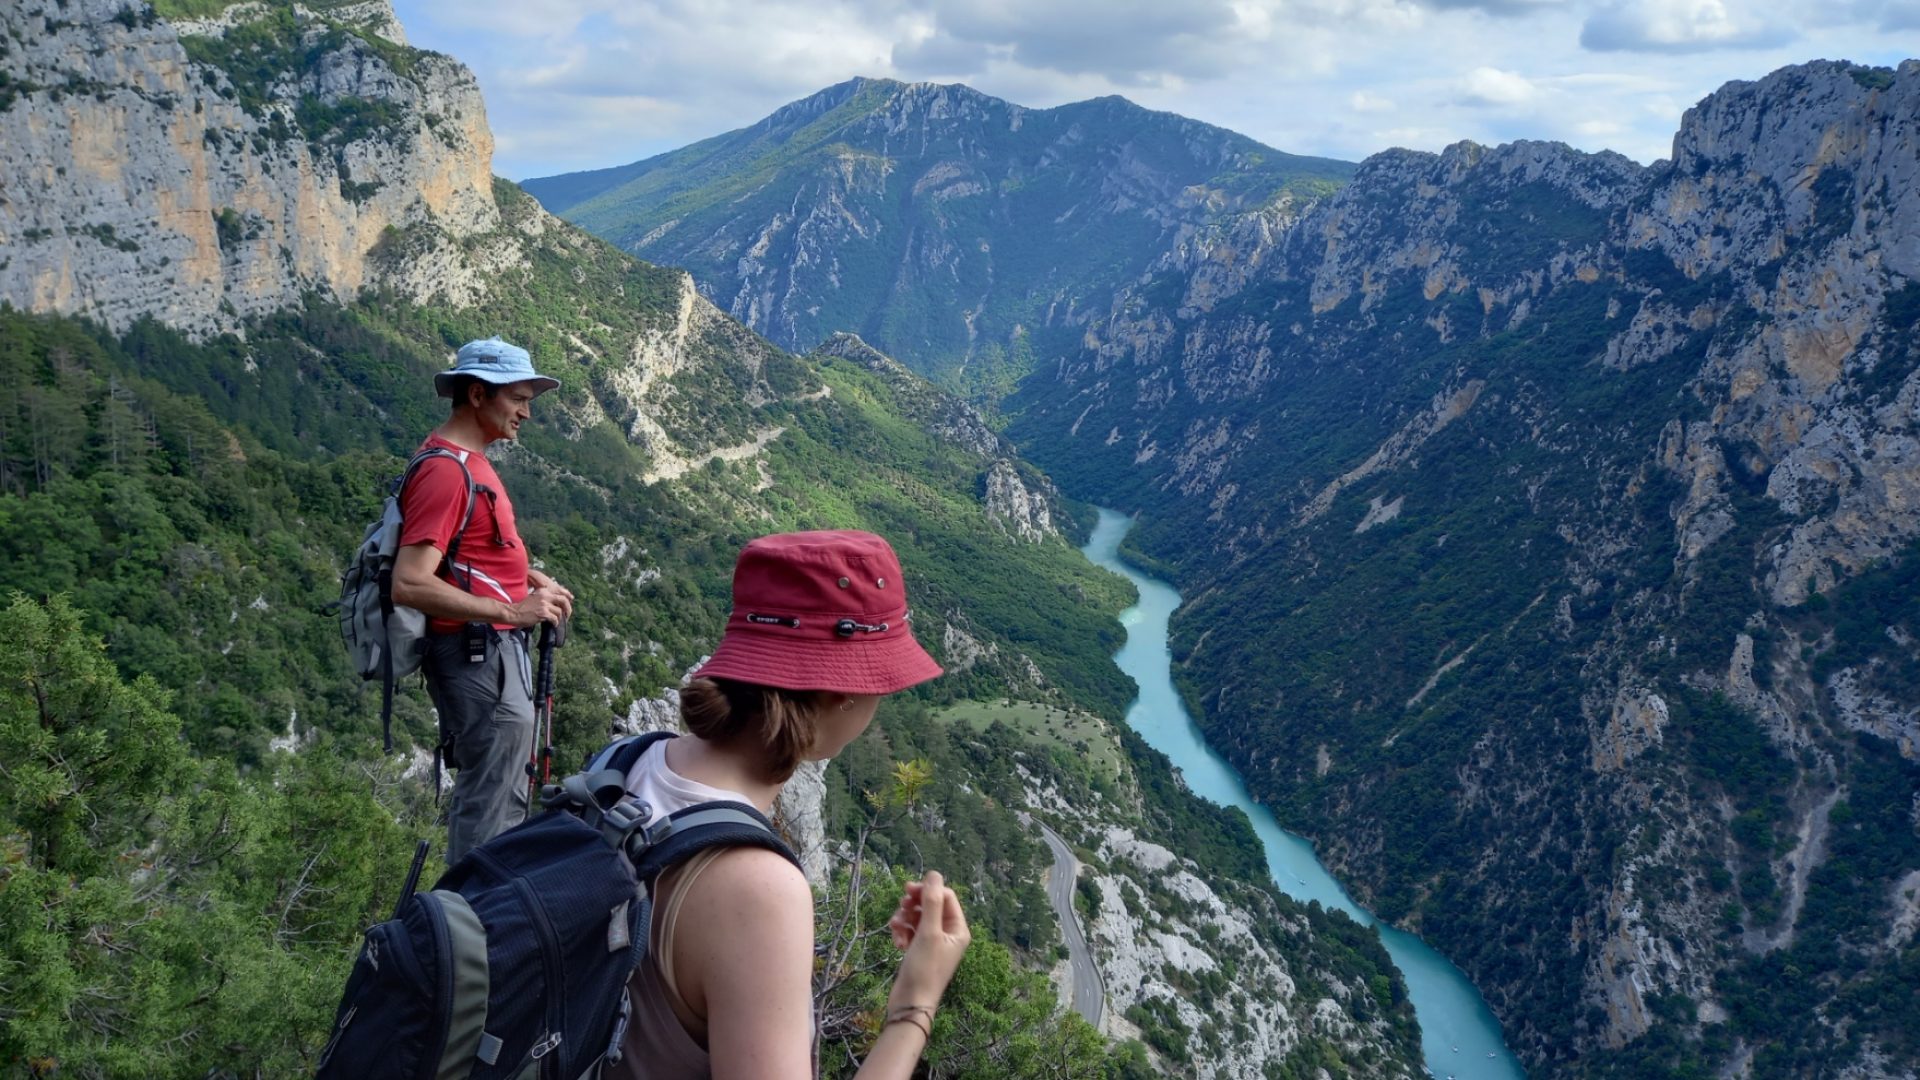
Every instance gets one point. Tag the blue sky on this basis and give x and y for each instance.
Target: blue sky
(579, 84)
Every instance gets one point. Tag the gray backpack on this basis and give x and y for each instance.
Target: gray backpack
(386, 640)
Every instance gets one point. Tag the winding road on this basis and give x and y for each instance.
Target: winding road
(1089, 992)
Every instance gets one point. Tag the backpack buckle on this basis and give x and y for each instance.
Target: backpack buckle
(623, 820)
(640, 841)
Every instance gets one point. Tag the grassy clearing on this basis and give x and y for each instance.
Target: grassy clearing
(1081, 734)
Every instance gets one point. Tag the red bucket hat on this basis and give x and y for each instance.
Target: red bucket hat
(820, 611)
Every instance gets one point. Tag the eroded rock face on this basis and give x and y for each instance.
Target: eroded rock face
(1161, 929)
(141, 180)
(143, 183)
(1025, 514)
(1140, 952)
(1636, 724)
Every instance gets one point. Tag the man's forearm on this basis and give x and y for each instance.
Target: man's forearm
(442, 600)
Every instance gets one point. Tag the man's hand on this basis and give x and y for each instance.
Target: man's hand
(541, 605)
(544, 584)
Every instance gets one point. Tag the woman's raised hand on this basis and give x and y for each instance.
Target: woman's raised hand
(932, 928)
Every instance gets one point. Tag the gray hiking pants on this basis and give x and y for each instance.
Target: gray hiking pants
(486, 727)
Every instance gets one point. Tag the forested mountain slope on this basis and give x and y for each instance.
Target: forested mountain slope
(955, 231)
(238, 243)
(1550, 526)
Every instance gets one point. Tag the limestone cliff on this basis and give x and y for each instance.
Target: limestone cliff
(153, 171)
(205, 173)
(1196, 964)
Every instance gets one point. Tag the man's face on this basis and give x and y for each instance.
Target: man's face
(502, 414)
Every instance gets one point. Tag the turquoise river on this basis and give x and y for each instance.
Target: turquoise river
(1459, 1035)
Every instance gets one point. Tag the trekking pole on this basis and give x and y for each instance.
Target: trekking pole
(413, 878)
(540, 767)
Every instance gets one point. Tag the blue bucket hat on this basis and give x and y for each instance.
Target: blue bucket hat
(495, 361)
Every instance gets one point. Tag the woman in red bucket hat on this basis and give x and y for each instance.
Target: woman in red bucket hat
(818, 634)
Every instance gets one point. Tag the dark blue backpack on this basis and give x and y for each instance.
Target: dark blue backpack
(515, 965)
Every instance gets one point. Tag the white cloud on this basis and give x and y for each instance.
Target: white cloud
(1131, 42)
(1500, 7)
(1680, 26)
(574, 84)
(1416, 138)
(1491, 86)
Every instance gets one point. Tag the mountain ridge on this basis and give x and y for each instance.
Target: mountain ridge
(563, 191)
(958, 230)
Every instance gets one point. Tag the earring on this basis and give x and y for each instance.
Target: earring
(847, 704)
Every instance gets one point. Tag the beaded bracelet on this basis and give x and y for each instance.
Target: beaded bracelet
(905, 1013)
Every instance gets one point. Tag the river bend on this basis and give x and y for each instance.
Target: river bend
(1459, 1035)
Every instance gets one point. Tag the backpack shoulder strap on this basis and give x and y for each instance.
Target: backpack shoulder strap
(431, 452)
(385, 582)
(466, 964)
(622, 753)
(696, 828)
(466, 513)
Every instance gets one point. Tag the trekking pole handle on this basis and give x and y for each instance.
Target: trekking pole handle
(413, 877)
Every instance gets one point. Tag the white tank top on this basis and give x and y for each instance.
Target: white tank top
(666, 791)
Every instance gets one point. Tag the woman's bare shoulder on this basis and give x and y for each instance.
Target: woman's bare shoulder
(753, 883)
(746, 927)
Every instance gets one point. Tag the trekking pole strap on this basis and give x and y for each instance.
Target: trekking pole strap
(386, 686)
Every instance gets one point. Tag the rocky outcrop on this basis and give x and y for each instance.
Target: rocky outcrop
(1141, 950)
(152, 171)
(1024, 514)
(1823, 227)
(1861, 710)
(1636, 723)
(1196, 956)
(800, 813)
(1024, 505)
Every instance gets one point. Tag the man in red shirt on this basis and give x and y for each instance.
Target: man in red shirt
(480, 602)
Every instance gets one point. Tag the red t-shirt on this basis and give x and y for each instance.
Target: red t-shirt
(490, 549)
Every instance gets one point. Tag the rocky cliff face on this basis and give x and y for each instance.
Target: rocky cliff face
(1196, 964)
(147, 176)
(154, 171)
(1572, 499)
